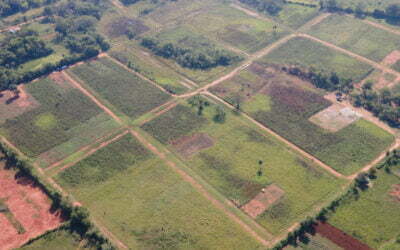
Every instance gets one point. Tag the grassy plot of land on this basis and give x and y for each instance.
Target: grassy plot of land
(144, 63)
(63, 118)
(310, 54)
(239, 161)
(373, 217)
(156, 208)
(285, 104)
(316, 242)
(127, 92)
(355, 35)
(59, 239)
(295, 15)
(236, 28)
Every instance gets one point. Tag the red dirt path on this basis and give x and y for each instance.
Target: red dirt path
(339, 237)
(30, 207)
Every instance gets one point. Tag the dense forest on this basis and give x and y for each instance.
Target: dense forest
(10, 7)
(204, 56)
(74, 26)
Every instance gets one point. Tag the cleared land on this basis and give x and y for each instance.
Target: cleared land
(373, 217)
(285, 104)
(26, 210)
(309, 54)
(125, 91)
(159, 211)
(357, 36)
(231, 162)
(52, 120)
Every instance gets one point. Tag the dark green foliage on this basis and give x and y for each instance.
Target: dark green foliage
(271, 7)
(191, 53)
(102, 165)
(174, 124)
(10, 7)
(383, 104)
(220, 115)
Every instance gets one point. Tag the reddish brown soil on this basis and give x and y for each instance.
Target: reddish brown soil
(339, 237)
(30, 207)
(190, 145)
(263, 200)
(392, 58)
(395, 192)
(12, 105)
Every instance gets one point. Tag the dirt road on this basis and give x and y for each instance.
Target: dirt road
(290, 144)
(22, 24)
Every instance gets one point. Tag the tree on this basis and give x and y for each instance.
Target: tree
(220, 115)
(393, 11)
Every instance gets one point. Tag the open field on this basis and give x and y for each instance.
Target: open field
(159, 211)
(310, 54)
(355, 35)
(239, 161)
(236, 28)
(127, 92)
(59, 239)
(147, 65)
(27, 212)
(285, 104)
(60, 121)
(373, 217)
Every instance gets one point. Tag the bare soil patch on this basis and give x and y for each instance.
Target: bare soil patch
(335, 117)
(29, 205)
(60, 79)
(124, 26)
(13, 105)
(190, 145)
(266, 198)
(339, 237)
(395, 192)
(392, 58)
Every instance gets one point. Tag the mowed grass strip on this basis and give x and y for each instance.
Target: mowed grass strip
(130, 94)
(373, 217)
(55, 121)
(310, 54)
(231, 163)
(147, 205)
(355, 35)
(282, 104)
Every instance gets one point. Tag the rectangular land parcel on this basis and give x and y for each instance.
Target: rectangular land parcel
(240, 161)
(146, 204)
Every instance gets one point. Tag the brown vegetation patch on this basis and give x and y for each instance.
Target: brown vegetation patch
(13, 104)
(392, 58)
(339, 237)
(30, 207)
(60, 79)
(395, 192)
(190, 145)
(123, 26)
(335, 117)
(266, 198)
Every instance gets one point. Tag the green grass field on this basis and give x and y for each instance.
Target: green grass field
(231, 163)
(353, 34)
(146, 205)
(373, 217)
(64, 121)
(60, 240)
(150, 67)
(285, 106)
(236, 28)
(125, 91)
(310, 54)
(316, 242)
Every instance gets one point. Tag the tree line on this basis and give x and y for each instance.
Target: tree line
(10, 7)
(77, 218)
(384, 104)
(74, 23)
(194, 58)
